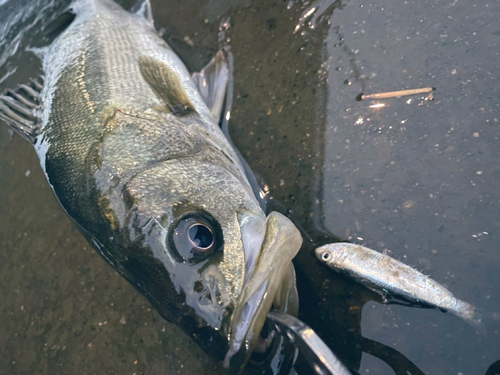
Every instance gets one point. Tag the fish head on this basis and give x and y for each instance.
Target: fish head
(333, 253)
(192, 237)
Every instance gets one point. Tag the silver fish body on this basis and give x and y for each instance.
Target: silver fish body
(137, 160)
(386, 275)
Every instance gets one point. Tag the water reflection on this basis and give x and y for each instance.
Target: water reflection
(397, 172)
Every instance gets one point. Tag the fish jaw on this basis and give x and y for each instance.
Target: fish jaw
(280, 244)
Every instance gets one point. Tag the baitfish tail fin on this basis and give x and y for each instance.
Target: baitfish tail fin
(18, 108)
(471, 315)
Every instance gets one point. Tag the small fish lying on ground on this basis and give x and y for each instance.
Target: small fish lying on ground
(136, 158)
(387, 276)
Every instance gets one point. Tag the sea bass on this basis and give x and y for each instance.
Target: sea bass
(387, 276)
(137, 160)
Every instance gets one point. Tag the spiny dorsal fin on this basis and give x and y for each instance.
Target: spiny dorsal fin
(167, 85)
(17, 108)
(212, 82)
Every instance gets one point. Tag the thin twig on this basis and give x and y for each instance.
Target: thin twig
(395, 94)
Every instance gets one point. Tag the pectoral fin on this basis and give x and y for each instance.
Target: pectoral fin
(143, 8)
(18, 108)
(167, 85)
(212, 84)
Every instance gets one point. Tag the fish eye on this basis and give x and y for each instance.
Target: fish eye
(195, 236)
(326, 256)
(201, 237)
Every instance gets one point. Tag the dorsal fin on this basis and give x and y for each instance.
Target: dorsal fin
(167, 85)
(18, 107)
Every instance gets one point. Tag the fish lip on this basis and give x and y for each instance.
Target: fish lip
(279, 245)
(253, 230)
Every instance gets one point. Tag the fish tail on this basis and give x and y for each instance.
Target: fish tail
(471, 315)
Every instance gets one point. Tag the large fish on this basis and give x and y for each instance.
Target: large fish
(137, 160)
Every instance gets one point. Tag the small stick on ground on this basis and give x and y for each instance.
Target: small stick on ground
(395, 94)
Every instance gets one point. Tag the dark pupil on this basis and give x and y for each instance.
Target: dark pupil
(201, 236)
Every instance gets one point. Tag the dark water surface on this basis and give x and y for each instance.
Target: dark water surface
(418, 177)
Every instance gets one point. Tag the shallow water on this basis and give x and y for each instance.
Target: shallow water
(418, 177)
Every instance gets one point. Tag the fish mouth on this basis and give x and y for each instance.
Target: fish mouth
(270, 247)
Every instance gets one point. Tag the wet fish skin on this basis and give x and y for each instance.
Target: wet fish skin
(130, 148)
(386, 275)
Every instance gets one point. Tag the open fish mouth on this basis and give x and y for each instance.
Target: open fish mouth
(270, 279)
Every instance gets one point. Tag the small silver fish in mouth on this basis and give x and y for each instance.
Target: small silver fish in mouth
(137, 160)
(386, 275)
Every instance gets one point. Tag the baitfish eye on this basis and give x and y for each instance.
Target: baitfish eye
(195, 237)
(326, 256)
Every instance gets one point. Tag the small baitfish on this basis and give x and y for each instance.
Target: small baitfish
(136, 158)
(388, 276)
